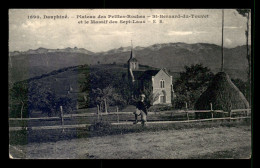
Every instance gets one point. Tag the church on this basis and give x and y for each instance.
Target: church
(159, 81)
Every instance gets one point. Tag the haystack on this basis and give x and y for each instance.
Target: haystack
(223, 95)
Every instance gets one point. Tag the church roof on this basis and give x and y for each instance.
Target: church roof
(148, 74)
(132, 56)
(164, 69)
(138, 74)
(132, 60)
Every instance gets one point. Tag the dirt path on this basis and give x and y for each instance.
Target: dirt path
(170, 144)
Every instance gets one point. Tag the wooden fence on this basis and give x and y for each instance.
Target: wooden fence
(246, 111)
(185, 112)
(184, 121)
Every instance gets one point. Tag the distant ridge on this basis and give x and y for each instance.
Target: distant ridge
(173, 56)
(154, 47)
(42, 50)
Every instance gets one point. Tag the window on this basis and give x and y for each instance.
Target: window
(162, 83)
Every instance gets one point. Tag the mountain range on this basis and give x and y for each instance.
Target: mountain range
(45, 50)
(173, 56)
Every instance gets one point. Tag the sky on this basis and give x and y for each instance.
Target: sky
(26, 33)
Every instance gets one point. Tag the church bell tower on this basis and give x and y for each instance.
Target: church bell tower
(132, 64)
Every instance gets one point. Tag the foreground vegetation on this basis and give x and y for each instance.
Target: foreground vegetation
(213, 142)
(104, 128)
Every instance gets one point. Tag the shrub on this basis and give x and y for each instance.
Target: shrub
(160, 107)
(99, 126)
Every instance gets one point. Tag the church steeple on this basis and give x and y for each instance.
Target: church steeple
(132, 51)
(132, 62)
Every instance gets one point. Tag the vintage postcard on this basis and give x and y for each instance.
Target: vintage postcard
(129, 83)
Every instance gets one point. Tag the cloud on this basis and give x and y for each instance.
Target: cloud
(179, 33)
(232, 27)
(228, 41)
(199, 32)
(117, 33)
(24, 33)
(184, 33)
(13, 26)
(33, 25)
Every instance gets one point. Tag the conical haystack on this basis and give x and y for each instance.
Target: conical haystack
(223, 95)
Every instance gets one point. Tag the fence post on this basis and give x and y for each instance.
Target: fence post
(105, 105)
(98, 112)
(187, 114)
(211, 110)
(101, 107)
(117, 114)
(61, 116)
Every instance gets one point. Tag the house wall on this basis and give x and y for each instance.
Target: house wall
(161, 75)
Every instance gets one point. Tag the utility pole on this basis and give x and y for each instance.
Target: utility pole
(222, 44)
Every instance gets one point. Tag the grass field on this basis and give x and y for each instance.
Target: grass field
(121, 140)
(172, 141)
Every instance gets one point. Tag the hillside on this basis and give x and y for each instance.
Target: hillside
(173, 56)
(68, 81)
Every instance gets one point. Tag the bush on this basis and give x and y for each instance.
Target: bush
(191, 84)
(160, 107)
(99, 126)
(203, 115)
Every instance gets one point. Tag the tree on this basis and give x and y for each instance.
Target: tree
(66, 102)
(106, 97)
(243, 87)
(191, 84)
(150, 97)
(124, 88)
(97, 83)
(246, 13)
(46, 100)
(19, 94)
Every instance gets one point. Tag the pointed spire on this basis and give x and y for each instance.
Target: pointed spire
(132, 50)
